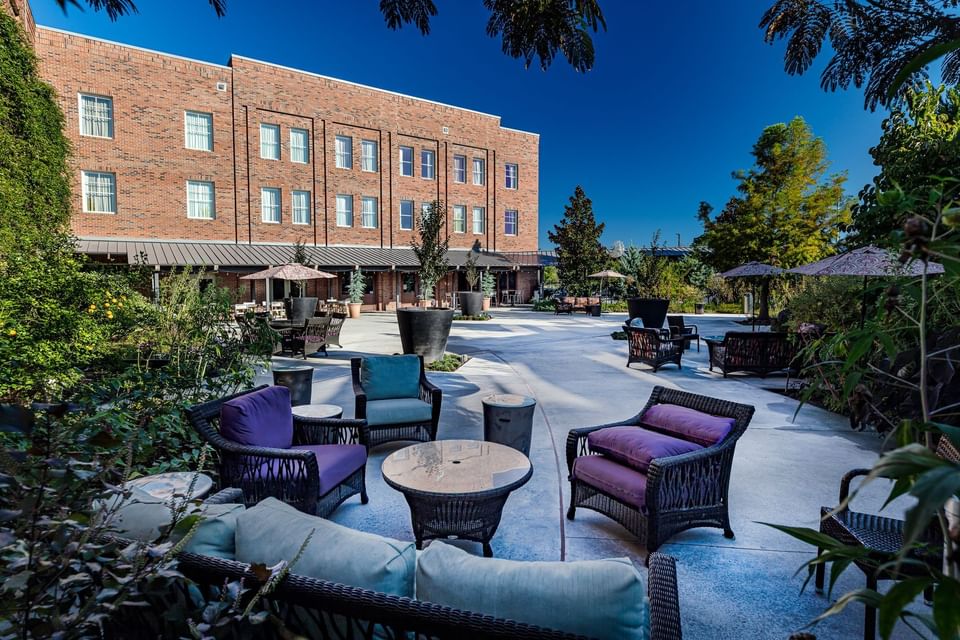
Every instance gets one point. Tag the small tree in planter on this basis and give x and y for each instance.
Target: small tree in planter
(488, 286)
(355, 291)
(430, 249)
(471, 302)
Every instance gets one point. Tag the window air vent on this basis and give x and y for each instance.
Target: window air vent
(221, 86)
(446, 130)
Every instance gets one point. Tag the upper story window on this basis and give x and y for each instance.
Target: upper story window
(270, 141)
(479, 220)
(368, 213)
(479, 171)
(96, 116)
(270, 205)
(406, 215)
(300, 207)
(460, 169)
(511, 176)
(428, 164)
(299, 146)
(344, 211)
(99, 192)
(198, 130)
(344, 152)
(406, 161)
(368, 155)
(425, 209)
(510, 222)
(459, 218)
(200, 200)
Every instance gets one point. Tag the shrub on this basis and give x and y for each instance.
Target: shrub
(547, 304)
(449, 362)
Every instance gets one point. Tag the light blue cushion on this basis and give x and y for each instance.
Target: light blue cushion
(215, 533)
(398, 411)
(273, 531)
(386, 377)
(596, 598)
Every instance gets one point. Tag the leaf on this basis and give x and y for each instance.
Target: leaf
(186, 523)
(932, 490)
(924, 58)
(896, 600)
(17, 581)
(946, 613)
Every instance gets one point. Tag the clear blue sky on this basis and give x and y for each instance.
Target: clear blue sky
(679, 93)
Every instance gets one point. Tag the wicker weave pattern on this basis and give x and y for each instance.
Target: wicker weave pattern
(650, 347)
(761, 352)
(419, 431)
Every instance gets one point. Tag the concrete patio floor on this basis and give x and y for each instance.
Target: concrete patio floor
(784, 468)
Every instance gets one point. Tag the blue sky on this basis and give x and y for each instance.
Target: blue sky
(679, 93)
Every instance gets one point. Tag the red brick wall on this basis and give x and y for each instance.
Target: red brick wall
(20, 9)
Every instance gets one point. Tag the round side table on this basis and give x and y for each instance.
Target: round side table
(508, 420)
(318, 411)
(174, 484)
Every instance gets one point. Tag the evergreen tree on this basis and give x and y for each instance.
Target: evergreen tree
(577, 238)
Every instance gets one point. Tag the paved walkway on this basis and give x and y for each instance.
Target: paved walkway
(784, 468)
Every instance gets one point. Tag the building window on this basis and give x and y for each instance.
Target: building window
(344, 211)
(479, 220)
(460, 169)
(99, 192)
(270, 204)
(200, 200)
(406, 161)
(459, 218)
(344, 149)
(510, 176)
(96, 116)
(479, 171)
(428, 164)
(368, 155)
(299, 146)
(270, 141)
(368, 213)
(425, 209)
(198, 130)
(406, 215)
(510, 219)
(301, 207)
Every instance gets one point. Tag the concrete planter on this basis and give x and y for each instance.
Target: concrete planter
(486, 303)
(353, 308)
(651, 311)
(425, 331)
(299, 309)
(699, 307)
(299, 380)
(471, 303)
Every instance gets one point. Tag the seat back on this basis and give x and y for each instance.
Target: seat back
(333, 329)
(390, 377)
(676, 324)
(644, 343)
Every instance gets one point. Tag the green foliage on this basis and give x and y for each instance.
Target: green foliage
(430, 247)
(449, 362)
(619, 335)
(547, 304)
(357, 286)
(483, 317)
(834, 302)
(617, 306)
(550, 276)
(579, 251)
(488, 285)
(472, 274)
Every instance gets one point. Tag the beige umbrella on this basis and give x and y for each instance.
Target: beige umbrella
(606, 273)
(292, 271)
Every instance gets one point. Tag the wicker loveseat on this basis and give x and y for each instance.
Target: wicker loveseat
(672, 475)
(569, 304)
(761, 352)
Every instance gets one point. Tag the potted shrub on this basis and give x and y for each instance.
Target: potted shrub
(355, 291)
(488, 285)
(471, 302)
(425, 331)
(301, 307)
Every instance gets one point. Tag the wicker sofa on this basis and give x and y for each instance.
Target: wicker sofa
(569, 304)
(761, 352)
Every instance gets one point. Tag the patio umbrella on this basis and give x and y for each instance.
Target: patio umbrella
(291, 271)
(868, 262)
(606, 273)
(756, 269)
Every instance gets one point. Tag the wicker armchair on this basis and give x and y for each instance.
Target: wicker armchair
(422, 429)
(883, 537)
(680, 492)
(652, 347)
(689, 332)
(315, 335)
(332, 336)
(292, 475)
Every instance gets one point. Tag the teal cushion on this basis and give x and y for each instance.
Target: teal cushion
(595, 598)
(398, 411)
(386, 377)
(273, 531)
(215, 533)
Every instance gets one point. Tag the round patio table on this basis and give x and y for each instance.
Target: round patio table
(456, 488)
(318, 411)
(166, 486)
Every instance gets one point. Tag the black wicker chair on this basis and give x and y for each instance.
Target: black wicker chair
(290, 475)
(315, 335)
(883, 538)
(682, 492)
(652, 347)
(689, 332)
(332, 336)
(420, 431)
(760, 352)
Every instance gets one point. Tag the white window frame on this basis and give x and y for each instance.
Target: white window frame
(409, 162)
(507, 177)
(192, 211)
(86, 192)
(481, 228)
(369, 216)
(300, 214)
(425, 209)
(208, 140)
(428, 164)
(276, 203)
(369, 156)
(460, 173)
(516, 222)
(346, 211)
(265, 146)
(304, 134)
(411, 204)
(479, 171)
(462, 221)
(343, 157)
(80, 110)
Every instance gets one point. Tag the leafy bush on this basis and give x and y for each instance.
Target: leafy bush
(547, 304)
(487, 284)
(480, 318)
(449, 362)
(357, 286)
(615, 306)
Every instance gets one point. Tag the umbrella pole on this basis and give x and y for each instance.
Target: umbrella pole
(863, 303)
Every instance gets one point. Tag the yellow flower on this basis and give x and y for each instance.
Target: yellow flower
(114, 300)
(106, 304)
(12, 332)
(120, 304)
(92, 310)
(123, 297)
(109, 314)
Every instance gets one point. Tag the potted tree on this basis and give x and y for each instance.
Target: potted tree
(425, 331)
(488, 286)
(355, 291)
(471, 302)
(300, 308)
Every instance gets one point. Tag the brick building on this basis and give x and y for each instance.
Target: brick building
(186, 163)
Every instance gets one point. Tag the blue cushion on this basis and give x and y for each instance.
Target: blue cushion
(398, 411)
(215, 533)
(387, 377)
(260, 419)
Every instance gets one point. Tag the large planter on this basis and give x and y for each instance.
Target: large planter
(425, 331)
(299, 380)
(651, 311)
(300, 309)
(486, 303)
(353, 308)
(699, 307)
(471, 303)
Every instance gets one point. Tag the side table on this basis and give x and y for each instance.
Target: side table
(166, 486)
(508, 419)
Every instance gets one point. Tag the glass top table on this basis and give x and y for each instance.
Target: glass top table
(179, 484)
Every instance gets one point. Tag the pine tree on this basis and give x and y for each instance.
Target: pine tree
(577, 238)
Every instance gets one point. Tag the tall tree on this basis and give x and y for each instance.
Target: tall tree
(788, 211)
(577, 238)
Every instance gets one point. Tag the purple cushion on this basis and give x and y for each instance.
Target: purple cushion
(636, 446)
(259, 419)
(624, 483)
(689, 424)
(335, 461)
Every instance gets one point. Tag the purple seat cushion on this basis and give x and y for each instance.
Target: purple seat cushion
(259, 419)
(636, 446)
(335, 461)
(689, 424)
(626, 484)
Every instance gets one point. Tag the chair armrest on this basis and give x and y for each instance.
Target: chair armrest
(429, 392)
(664, 600)
(696, 329)
(847, 479)
(577, 438)
(230, 495)
(330, 431)
(360, 402)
